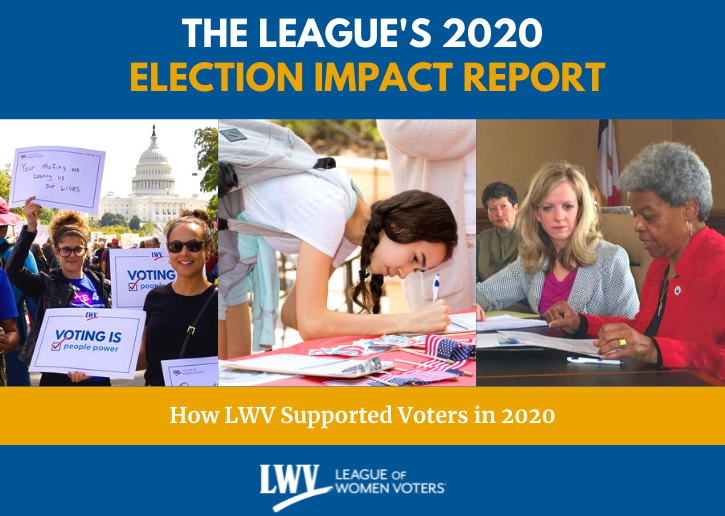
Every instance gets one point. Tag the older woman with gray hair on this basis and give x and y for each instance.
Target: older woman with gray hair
(680, 323)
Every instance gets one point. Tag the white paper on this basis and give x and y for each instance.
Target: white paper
(236, 378)
(465, 322)
(508, 322)
(58, 177)
(191, 372)
(581, 346)
(98, 342)
(307, 365)
(137, 271)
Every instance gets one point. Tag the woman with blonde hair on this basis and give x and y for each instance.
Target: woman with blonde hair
(562, 256)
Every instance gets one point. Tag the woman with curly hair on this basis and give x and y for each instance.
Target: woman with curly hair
(181, 316)
(69, 286)
(562, 255)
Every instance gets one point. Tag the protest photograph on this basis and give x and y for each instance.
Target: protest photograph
(108, 252)
(347, 252)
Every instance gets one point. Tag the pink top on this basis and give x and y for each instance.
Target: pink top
(555, 290)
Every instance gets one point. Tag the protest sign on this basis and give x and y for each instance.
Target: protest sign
(58, 177)
(102, 342)
(191, 372)
(136, 272)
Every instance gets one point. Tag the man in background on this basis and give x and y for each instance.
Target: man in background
(106, 260)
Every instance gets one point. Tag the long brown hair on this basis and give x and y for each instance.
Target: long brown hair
(409, 217)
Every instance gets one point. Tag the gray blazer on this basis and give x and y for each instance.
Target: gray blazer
(604, 288)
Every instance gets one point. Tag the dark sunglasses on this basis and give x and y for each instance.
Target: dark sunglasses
(194, 246)
(65, 252)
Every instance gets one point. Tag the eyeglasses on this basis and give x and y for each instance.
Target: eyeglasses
(194, 246)
(65, 252)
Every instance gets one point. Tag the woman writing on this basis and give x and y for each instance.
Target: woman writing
(190, 301)
(327, 220)
(562, 256)
(680, 322)
(70, 285)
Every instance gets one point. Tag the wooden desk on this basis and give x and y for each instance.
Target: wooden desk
(529, 367)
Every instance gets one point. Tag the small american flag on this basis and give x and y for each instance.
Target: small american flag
(418, 377)
(449, 349)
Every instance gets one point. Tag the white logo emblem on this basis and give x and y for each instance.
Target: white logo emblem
(288, 479)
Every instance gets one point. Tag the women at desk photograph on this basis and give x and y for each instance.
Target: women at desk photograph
(679, 323)
(562, 255)
(323, 218)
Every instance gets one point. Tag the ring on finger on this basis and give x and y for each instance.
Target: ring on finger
(622, 344)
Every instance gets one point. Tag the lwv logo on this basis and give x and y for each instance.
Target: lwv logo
(288, 478)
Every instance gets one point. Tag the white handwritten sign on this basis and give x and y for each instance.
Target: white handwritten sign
(191, 372)
(58, 177)
(102, 342)
(134, 272)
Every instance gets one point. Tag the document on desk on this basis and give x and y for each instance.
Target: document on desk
(521, 338)
(460, 323)
(229, 377)
(312, 366)
(507, 322)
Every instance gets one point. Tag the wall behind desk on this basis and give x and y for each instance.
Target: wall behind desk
(513, 150)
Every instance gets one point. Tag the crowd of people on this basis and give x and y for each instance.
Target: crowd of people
(549, 254)
(68, 271)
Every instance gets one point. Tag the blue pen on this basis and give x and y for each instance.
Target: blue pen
(436, 285)
(580, 360)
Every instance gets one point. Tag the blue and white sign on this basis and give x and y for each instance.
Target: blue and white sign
(135, 272)
(191, 372)
(102, 342)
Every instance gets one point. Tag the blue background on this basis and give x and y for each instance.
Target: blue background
(661, 62)
(210, 480)
(63, 62)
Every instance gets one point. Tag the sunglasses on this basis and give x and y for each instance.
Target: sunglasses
(65, 252)
(194, 246)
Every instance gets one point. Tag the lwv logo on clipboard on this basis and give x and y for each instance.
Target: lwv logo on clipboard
(288, 478)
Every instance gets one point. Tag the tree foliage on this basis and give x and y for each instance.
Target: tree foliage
(207, 157)
(213, 206)
(315, 132)
(5, 173)
(135, 223)
(146, 229)
(112, 219)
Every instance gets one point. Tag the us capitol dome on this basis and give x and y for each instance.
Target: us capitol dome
(153, 192)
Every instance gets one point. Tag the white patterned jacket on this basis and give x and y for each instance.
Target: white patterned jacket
(604, 288)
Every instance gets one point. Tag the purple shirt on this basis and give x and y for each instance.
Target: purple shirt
(555, 290)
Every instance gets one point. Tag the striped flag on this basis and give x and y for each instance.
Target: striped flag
(607, 167)
(449, 349)
(418, 377)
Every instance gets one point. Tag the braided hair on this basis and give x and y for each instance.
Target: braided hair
(409, 217)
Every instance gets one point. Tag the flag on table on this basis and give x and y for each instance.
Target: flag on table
(607, 167)
(415, 376)
(449, 349)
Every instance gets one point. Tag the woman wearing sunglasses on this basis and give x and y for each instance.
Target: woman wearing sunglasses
(190, 301)
(70, 286)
